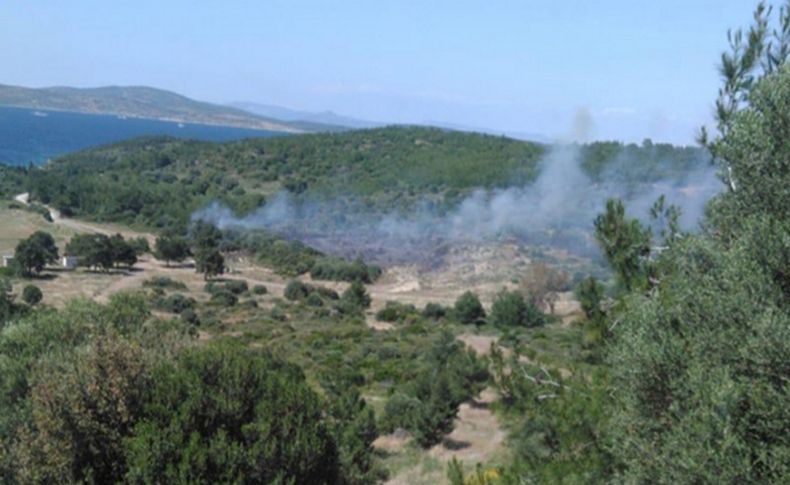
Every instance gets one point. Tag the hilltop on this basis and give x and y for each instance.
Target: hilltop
(144, 102)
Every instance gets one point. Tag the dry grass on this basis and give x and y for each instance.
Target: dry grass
(17, 224)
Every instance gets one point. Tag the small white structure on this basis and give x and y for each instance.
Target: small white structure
(69, 262)
(8, 260)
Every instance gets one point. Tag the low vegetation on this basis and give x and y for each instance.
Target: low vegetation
(676, 372)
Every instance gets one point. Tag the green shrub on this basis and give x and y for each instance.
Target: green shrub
(315, 300)
(237, 287)
(32, 295)
(468, 308)
(278, 314)
(387, 314)
(223, 297)
(190, 316)
(327, 293)
(249, 304)
(286, 257)
(259, 290)
(394, 311)
(401, 411)
(336, 269)
(434, 311)
(175, 303)
(231, 413)
(511, 309)
(356, 296)
(164, 282)
(296, 290)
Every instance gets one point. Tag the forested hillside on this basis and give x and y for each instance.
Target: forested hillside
(160, 182)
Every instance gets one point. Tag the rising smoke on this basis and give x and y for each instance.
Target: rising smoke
(557, 209)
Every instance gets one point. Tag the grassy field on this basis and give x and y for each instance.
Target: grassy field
(16, 224)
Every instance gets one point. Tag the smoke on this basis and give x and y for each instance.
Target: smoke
(557, 209)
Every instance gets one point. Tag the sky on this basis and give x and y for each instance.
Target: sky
(583, 69)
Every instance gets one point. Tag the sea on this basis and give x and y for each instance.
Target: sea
(31, 136)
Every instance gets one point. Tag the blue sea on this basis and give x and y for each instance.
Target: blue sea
(35, 136)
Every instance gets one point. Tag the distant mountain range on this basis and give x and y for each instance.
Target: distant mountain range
(149, 103)
(334, 119)
(293, 115)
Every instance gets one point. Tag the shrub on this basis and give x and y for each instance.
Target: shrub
(468, 308)
(327, 293)
(211, 287)
(394, 311)
(287, 258)
(249, 304)
(164, 282)
(176, 303)
(401, 411)
(237, 287)
(278, 314)
(314, 299)
(223, 297)
(231, 414)
(32, 295)
(296, 290)
(387, 314)
(190, 316)
(259, 290)
(356, 295)
(511, 309)
(336, 269)
(434, 311)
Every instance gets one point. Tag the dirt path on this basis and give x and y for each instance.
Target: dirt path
(22, 198)
(477, 435)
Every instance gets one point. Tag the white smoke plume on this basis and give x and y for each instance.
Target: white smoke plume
(557, 209)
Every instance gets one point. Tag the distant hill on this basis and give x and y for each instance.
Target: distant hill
(293, 115)
(516, 135)
(331, 118)
(145, 102)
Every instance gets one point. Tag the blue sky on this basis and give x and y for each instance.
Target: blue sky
(633, 69)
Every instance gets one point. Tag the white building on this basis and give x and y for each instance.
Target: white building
(8, 259)
(69, 262)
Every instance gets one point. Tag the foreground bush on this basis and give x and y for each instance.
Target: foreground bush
(96, 394)
(220, 414)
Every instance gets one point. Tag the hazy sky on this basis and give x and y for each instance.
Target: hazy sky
(633, 68)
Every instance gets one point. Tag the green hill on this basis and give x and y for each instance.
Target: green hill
(159, 182)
